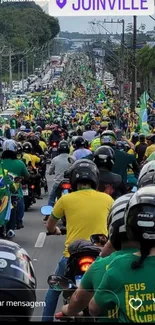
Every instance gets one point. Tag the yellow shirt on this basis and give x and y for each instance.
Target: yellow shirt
(89, 218)
(71, 150)
(149, 150)
(27, 158)
(34, 160)
(43, 145)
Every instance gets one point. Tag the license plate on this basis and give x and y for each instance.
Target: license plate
(54, 149)
(25, 192)
(78, 280)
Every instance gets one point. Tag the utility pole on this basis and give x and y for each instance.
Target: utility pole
(49, 50)
(134, 70)
(22, 74)
(10, 71)
(103, 55)
(112, 21)
(1, 93)
(33, 63)
(27, 67)
(122, 66)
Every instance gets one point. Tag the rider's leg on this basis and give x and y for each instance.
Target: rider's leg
(52, 196)
(52, 295)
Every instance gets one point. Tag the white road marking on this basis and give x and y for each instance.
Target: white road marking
(40, 240)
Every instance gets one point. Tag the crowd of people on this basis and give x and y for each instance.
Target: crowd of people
(109, 162)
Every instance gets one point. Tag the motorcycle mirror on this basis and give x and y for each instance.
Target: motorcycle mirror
(71, 160)
(59, 282)
(46, 210)
(98, 239)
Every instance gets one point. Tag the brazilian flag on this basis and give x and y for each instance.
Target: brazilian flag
(5, 195)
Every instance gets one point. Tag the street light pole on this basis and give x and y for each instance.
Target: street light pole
(134, 70)
(122, 65)
(10, 70)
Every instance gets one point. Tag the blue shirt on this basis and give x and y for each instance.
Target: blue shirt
(81, 153)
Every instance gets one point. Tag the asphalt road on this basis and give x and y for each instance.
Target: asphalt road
(46, 256)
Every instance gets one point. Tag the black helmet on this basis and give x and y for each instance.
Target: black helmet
(147, 175)
(104, 156)
(116, 221)
(38, 134)
(88, 127)
(63, 147)
(21, 136)
(151, 138)
(19, 148)
(38, 128)
(108, 137)
(27, 147)
(17, 282)
(79, 142)
(142, 137)
(135, 137)
(140, 215)
(120, 146)
(81, 171)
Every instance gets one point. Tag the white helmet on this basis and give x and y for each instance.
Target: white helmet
(22, 128)
(9, 145)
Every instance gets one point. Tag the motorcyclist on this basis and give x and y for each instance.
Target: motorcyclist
(47, 132)
(32, 160)
(17, 287)
(147, 175)
(122, 159)
(80, 150)
(151, 146)
(42, 142)
(21, 137)
(110, 183)
(96, 142)
(89, 134)
(36, 148)
(141, 148)
(137, 268)
(18, 169)
(93, 277)
(55, 135)
(88, 219)
(58, 165)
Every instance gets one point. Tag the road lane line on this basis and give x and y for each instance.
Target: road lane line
(40, 240)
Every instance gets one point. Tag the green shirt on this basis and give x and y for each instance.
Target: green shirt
(121, 286)
(16, 168)
(122, 161)
(151, 157)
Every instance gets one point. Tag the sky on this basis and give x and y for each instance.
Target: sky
(81, 24)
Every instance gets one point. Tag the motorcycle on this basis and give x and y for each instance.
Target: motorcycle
(54, 148)
(42, 171)
(82, 255)
(29, 194)
(63, 188)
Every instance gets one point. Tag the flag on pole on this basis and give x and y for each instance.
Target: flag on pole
(143, 116)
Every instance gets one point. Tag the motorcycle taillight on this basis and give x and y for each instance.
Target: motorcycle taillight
(54, 144)
(66, 186)
(85, 262)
